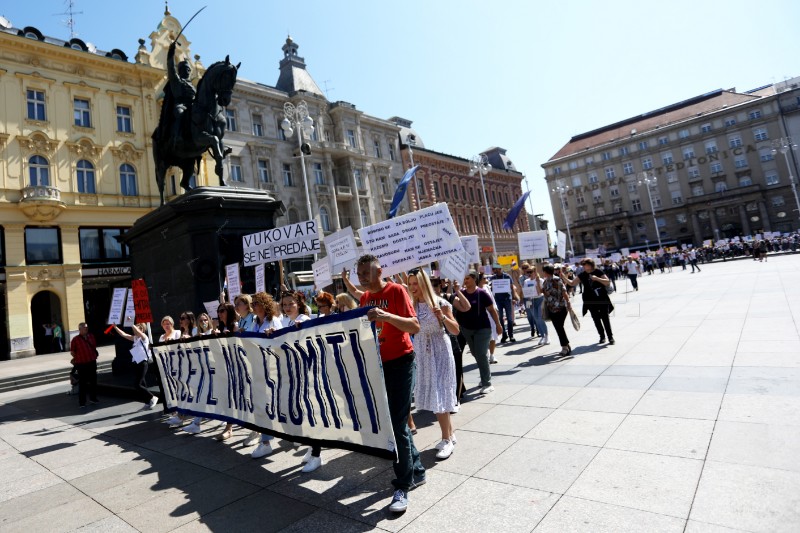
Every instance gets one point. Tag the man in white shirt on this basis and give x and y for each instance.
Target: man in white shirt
(632, 270)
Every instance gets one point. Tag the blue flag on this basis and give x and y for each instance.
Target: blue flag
(514, 212)
(401, 190)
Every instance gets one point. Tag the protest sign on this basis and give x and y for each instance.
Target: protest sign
(561, 245)
(318, 383)
(501, 286)
(261, 285)
(470, 244)
(616, 257)
(130, 310)
(117, 304)
(529, 291)
(759, 236)
(455, 266)
(625, 252)
(211, 308)
(293, 240)
(141, 301)
(341, 248)
(487, 270)
(708, 242)
(533, 244)
(234, 284)
(322, 272)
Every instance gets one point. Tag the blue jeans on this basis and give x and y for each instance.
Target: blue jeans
(535, 316)
(505, 307)
(399, 378)
(478, 342)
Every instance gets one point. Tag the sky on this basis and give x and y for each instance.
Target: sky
(525, 75)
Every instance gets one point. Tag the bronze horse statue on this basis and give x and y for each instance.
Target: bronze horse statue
(190, 125)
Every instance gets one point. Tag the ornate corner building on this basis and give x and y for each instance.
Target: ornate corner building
(709, 163)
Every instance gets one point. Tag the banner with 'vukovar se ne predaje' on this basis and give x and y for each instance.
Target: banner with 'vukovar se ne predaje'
(319, 382)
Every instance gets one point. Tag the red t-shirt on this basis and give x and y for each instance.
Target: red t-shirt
(393, 299)
(84, 350)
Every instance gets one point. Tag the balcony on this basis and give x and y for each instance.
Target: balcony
(321, 188)
(344, 192)
(41, 203)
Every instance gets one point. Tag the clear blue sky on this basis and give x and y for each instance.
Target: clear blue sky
(525, 75)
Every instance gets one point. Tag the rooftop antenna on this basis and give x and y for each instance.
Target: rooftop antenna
(70, 21)
(328, 89)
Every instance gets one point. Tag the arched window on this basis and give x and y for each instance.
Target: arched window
(721, 186)
(324, 218)
(294, 218)
(364, 219)
(85, 174)
(127, 179)
(39, 171)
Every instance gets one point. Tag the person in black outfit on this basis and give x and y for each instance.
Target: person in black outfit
(595, 297)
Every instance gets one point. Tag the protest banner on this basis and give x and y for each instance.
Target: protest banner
(261, 284)
(413, 239)
(130, 310)
(117, 305)
(318, 383)
(533, 244)
(234, 283)
(708, 242)
(141, 301)
(322, 272)
(293, 240)
(561, 244)
(341, 248)
(470, 244)
(616, 257)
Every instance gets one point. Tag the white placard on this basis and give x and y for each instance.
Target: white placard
(341, 247)
(470, 244)
(561, 245)
(234, 285)
(130, 310)
(211, 308)
(411, 240)
(533, 244)
(625, 252)
(759, 236)
(501, 286)
(117, 305)
(322, 273)
(455, 266)
(261, 285)
(487, 270)
(616, 257)
(529, 292)
(293, 240)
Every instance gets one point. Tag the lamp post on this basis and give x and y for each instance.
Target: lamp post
(783, 145)
(479, 164)
(561, 189)
(411, 140)
(649, 180)
(297, 118)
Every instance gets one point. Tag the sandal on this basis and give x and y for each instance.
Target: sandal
(225, 435)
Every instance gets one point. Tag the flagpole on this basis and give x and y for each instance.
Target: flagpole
(416, 183)
(528, 189)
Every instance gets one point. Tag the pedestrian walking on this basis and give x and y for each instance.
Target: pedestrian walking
(693, 260)
(595, 298)
(556, 298)
(632, 270)
(476, 327)
(533, 303)
(505, 303)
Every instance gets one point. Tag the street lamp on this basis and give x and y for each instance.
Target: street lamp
(479, 164)
(297, 118)
(561, 189)
(411, 140)
(783, 145)
(648, 181)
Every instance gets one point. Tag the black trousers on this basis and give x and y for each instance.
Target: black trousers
(460, 387)
(558, 319)
(87, 382)
(141, 381)
(601, 320)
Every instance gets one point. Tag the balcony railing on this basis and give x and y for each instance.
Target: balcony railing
(342, 190)
(41, 203)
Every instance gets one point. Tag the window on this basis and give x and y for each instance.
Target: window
(376, 145)
(258, 126)
(101, 244)
(127, 180)
(593, 177)
(697, 190)
(385, 187)
(230, 119)
(636, 205)
(446, 190)
(42, 246)
(661, 222)
(359, 176)
(613, 191)
(632, 187)
(319, 176)
(597, 196)
(364, 218)
(436, 189)
(281, 133)
(777, 201)
(745, 181)
(730, 121)
(711, 147)
(573, 165)
(677, 199)
(688, 153)
(455, 192)
(772, 179)
(627, 168)
(740, 161)
(351, 138)
(124, 122)
(36, 109)
(461, 229)
(680, 218)
(647, 163)
(753, 115)
(583, 215)
(471, 193)
(655, 199)
(324, 218)
(624, 150)
(751, 206)
(663, 140)
(236, 169)
(683, 134)
(617, 207)
(286, 170)
(576, 181)
(642, 145)
(391, 151)
(672, 177)
(716, 166)
(667, 158)
(263, 171)
(39, 171)
(600, 211)
(557, 171)
(760, 134)
(494, 200)
(85, 175)
(765, 155)
(735, 141)
(610, 173)
(81, 112)
(606, 156)
(579, 198)
(720, 186)
(589, 160)
(706, 128)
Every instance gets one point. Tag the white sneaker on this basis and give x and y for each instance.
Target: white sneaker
(174, 419)
(313, 463)
(252, 438)
(492, 360)
(152, 403)
(441, 444)
(307, 456)
(455, 409)
(446, 450)
(262, 450)
(453, 439)
(487, 390)
(193, 428)
(546, 339)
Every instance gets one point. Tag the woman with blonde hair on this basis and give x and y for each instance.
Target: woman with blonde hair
(243, 304)
(435, 388)
(345, 302)
(204, 326)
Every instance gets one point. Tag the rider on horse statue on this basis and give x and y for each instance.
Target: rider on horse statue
(183, 92)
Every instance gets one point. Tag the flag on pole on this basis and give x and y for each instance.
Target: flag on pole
(514, 212)
(401, 190)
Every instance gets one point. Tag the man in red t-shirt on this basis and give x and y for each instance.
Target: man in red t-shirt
(84, 356)
(395, 321)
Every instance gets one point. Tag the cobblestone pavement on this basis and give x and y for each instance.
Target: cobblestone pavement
(691, 422)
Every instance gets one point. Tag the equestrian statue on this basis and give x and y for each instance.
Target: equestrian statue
(192, 120)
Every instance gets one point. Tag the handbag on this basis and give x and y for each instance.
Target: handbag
(576, 323)
(545, 312)
(610, 289)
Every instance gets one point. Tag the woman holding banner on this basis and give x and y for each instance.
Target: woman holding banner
(435, 388)
(141, 344)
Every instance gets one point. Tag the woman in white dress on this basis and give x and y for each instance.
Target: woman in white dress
(482, 282)
(435, 388)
